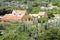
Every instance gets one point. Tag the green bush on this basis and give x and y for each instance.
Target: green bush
(11, 33)
(50, 13)
(15, 36)
(50, 34)
(43, 20)
(56, 3)
(35, 10)
(6, 10)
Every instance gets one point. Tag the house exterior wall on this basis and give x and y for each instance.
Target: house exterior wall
(27, 18)
(17, 15)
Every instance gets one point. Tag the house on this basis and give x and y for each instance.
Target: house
(34, 15)
(0, 17)
(17, 15)
(42, 14)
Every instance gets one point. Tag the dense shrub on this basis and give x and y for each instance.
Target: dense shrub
(43, 20)
(6, 10)
(50, 34)
(19, 31)
(35, 10)
(15, 36)
(50, 13)
(56, 3)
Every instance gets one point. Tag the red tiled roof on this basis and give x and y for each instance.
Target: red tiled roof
(17, 15)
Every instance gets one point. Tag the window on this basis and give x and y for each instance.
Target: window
(19, 14)
(25, 14)
(14, 14)
(29, 19)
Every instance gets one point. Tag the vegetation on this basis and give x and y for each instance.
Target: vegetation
(54, 2)
(39, 29)
(50, 34)
(18, 30)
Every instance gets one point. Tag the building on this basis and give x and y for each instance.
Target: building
(17, 15)
(42, 14)
(1, 17)
(34, 15)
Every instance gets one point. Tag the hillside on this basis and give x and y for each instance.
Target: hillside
(29, 19)
(32, 6)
